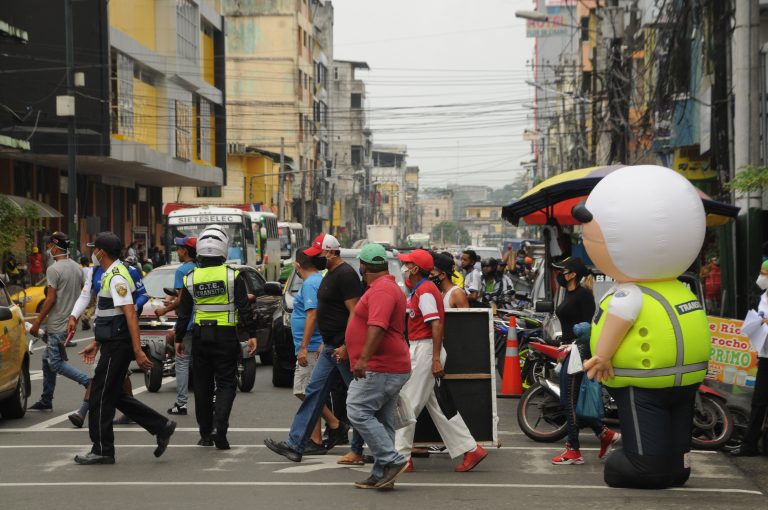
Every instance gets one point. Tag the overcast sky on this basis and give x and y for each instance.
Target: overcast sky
(447, 79)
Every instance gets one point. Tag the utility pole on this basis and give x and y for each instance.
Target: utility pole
(71, 136)
(281, 183)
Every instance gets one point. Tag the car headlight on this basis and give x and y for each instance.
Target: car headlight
(287, 319)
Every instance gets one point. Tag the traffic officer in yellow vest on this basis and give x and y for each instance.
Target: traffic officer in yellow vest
(116, 333)
(644, 226)
(218, 296)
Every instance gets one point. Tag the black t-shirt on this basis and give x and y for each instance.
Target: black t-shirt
(578, 306)
(339, 285)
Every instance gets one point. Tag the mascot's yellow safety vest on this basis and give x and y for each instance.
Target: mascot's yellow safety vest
(213, 290)
(669, 343)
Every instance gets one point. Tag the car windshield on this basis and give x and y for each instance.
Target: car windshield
(158, 280)
(285, 242)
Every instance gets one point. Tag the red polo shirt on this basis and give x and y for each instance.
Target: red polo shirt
(383, 305)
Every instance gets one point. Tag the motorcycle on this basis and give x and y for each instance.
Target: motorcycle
(542, 418)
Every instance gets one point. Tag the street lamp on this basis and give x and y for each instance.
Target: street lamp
(532, 15)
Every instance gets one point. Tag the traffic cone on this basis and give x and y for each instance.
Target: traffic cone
(512, 382)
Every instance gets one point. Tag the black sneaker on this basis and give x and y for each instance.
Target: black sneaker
(391, 471)
(205, 441)
(40, 406)
(178, 409)
(164, 437)
(220, 441)
(91, 458)
(76, 420)
(370, 483)
(282, 448)
(313, 448)
(337, 436)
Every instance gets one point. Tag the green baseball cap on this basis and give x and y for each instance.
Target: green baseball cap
(373, 253)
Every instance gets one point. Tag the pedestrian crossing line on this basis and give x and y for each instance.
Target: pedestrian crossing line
(63, 417)
(166, 484)
(136, 428)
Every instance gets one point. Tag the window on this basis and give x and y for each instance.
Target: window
(183, 130)
(316, 112)
(187, 31)
(357, 155)
(301, 126)
(301, 80)
(357, 100)
(437, 213)
(125, 72)
(300, 45)
(209, 192)
(336, 73)
(204, 131)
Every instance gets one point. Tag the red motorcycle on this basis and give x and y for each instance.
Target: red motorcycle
(542, 418)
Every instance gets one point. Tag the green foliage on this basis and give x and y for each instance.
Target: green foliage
(16, 223)
(449, 231)
(751, 178)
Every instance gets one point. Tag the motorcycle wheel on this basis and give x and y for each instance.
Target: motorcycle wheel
(540, 415)
(246, 374)
(712, 424)
(153, 379)
(740, 421)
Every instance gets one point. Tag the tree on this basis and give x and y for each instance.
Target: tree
(752, 178)
(16, 223)
(450, 232)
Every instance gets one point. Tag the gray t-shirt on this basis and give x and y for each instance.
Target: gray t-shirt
(66, 277)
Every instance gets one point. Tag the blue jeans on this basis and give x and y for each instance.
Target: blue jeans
(53, 364)
(182, 365)
(315, 395)
(371, 404)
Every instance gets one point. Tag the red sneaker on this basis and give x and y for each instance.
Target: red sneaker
(471, 459)
(569, 456)
(409, 469)
(607, 439)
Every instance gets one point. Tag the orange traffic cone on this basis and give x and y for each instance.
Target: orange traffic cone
(512, 382)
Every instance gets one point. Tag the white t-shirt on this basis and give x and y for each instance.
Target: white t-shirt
(473, 281)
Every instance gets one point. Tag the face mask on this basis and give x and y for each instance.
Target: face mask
(408, 283)
(561, 280)
(95, 259)
(436, 280)
(361, 270)
(406, 270)
(320, 263)
(762, 282)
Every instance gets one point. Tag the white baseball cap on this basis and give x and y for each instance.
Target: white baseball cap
(323, 242)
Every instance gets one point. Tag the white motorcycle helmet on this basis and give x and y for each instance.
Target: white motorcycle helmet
(213, 242)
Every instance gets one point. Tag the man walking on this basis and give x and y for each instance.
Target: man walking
(65, 280)
(426, 316)
(381, 365)
(116, 331)
(36, 264)
(186, 249)
(472, 276)
(218, 296)
(336, 298)
(453, 296)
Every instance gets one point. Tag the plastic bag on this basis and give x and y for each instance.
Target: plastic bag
(590, 402)
(403, 413)
(574, 361)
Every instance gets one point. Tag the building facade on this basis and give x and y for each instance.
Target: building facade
(149, 109)
(389, 186)
(434, 209)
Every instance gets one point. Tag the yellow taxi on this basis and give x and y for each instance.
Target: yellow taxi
(14, 359)
(31, 299)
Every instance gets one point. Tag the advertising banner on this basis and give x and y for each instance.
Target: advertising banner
(732, 360)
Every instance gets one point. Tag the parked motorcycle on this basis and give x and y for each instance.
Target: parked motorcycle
(542, 418)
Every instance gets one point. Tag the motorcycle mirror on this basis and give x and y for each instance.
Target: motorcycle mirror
(544, 307)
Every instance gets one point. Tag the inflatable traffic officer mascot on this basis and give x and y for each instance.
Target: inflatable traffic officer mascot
(644, 226)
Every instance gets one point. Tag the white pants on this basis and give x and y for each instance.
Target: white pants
(420, 392)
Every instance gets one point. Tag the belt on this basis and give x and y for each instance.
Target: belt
(417, 339)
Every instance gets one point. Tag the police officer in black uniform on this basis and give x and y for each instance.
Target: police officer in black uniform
(116, 331)
(218, 295)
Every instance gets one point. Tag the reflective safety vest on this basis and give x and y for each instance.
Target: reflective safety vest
(213, 291)
(668, 344)
(106, 312)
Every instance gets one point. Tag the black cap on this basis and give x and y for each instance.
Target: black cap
(60, 240)
(107, 241)
(443, 263)
(574, 264)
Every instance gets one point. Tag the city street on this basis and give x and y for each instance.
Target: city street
(36, 466)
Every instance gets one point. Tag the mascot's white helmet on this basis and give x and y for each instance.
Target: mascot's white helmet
(652, 220)
(213, 242)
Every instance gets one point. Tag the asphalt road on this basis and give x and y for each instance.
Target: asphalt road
(37, 468)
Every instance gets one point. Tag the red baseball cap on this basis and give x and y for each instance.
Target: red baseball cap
(421, 258)
(323, 242)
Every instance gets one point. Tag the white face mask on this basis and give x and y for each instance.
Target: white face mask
(95, 259)
(405, 269)
(762, 282)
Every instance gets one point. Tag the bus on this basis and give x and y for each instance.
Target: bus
(253, 235)
(292, 237)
